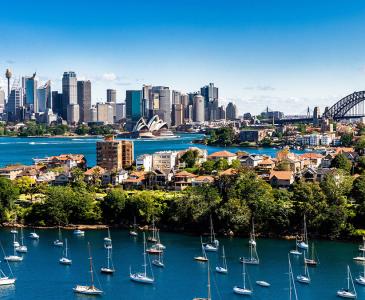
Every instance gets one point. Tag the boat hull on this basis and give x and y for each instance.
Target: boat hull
(303, 279)
(303, 245)
(13, 258)
(242, 291)
(140, 278)
(107, 271)
(360, 280)
(158, 263)
(65, 261)
(221, 270)
(87, 290)
(249, 261)
(201, 258)
(346, 294)
(6, 281)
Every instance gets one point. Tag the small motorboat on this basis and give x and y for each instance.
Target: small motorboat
(79, 232)
(263, 283)
(34, 236)
(65, 261)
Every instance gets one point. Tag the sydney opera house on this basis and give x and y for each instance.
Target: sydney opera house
(154, 128)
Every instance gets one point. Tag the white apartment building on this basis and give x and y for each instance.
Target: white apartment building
(164, 160)
(144, 162)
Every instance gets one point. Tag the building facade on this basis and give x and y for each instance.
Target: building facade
(84, 99)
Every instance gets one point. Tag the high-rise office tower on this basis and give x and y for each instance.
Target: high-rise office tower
(57, 103)
(114, 155)
(2, 100)
(119, 111)
(69, 90)
(210, 94)
(15, 102)
(30, 97)
(111, 98)
(133, 105)
(93, 112)
(176, 97)
(73, 114)
(44, 97)
(221, 113)
(231, 111)
(84, 99)
(164, 110)
(316, 116)
(198, 108)
(147, 101)
(105, 113)
(177, 114)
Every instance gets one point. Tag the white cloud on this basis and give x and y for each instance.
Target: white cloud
(109, 77)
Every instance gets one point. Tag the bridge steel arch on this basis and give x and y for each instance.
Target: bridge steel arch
(340, 108)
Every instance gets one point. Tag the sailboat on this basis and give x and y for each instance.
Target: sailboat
(58, 242)
(21, 248)
(303, 244)
(296, 251)
(208, 286)
(360, 258)
(347, 292)
(108, 241)
(153, 238)
(253, 259)
(159, 245)
(243, 290)
(65, 260)
(304, 278)
(204, 257)
(88, 289)
(361, 278)
(292, 289)
(14, 257)
(6, 280)
(33, 235)
(362, 247)
(134, 232)
(79, 232)
(158, 262)
(312, 260)
(142, 277)
(252, 240)
(15, 242)
(213, 244)
(223, 268)
(109, 269)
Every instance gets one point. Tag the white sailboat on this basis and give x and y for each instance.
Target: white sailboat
(350, 291)
(158, 262)
(33, 235)
(6, 280)
(21, 248)
(159, 245)
(361, 278)
(58, 242)
(303, 244)
(208, 286)
(108, 241)
(243, 290)
(312, 260)
(65, 260)
(292, 289)
(253, 259)
(134, 231)
(360, 258)
(14, 257)
(142, 277)
(296, 251)
(304, 278)
(362, 247)
(223, 269)
(213, 243)
(263, 283)
(88, 289)
(153, 238)
(109, 269)
(204, 257)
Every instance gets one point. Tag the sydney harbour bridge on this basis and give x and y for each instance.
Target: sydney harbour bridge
(350, 107)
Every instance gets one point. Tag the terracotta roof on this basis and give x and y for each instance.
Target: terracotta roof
(13, 168)
(311, 155)
(94, 169)
(204, 178)
(282, 175)
(266, 161)
(222, 154)
(229, 172)
(184, 174)
(344, 149)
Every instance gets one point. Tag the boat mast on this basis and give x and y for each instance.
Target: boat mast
(224, 260)
(209, 293)
(244, 275)
(91, 267)
(305, 231)
(144, 255)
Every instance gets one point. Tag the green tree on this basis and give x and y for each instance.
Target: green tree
(221, 164)
(112, 206)
(236, 164)
(8, 194)
(190, 158)
(341, 162)
(208, 167)
(346, 139)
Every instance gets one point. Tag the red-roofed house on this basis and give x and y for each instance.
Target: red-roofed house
(182, 180)
(281, 178)
(229, 156)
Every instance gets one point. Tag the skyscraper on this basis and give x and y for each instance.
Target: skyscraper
(176, 97)
(15, 102)
(210, 94)
(84, 100)
(69, 90)
(231, 111)
(177, 114)
(105, 113)
(164, 110)
(2, 100)
(44, 97)
(198, 108)
(133, 103)
(147, 101)
(30, 97)
(57, 103)
(111, 95)
(73, 114)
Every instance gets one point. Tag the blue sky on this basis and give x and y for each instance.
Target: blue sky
(284, 54)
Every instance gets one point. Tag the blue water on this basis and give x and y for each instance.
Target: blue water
(23, 150)
(40, 276)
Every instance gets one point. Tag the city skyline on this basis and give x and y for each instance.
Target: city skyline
(280, 55)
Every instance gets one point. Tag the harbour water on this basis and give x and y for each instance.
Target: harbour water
(40, 276)
(23, 150)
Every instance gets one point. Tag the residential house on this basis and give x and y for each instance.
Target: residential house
(312, 159)
(11, 172)
(144, 162)
(164, 160)
(265, 166)
(253, 160)
(136, 180)
(160, 178)
(223, 155)
(281, 179)
(182, 180)
(202, 180)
